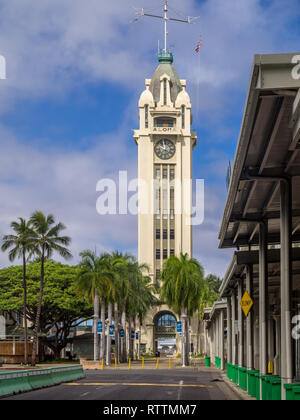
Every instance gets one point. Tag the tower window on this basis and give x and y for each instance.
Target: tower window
(172, 252)
(165, 91)
(165, 234)
(165, 173)
(146, 116)
(166, 122)
(157, 233)
(172, 194)
(165, 255)
(157, 173)
(172, 214)
(172, 234)
(183, 116)
(158, 254)
(172, 174)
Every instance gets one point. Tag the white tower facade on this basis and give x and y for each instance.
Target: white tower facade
(165, 146)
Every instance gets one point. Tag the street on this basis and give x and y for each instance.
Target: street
(143, 385)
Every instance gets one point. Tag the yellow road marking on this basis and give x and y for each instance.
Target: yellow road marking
(138, 384)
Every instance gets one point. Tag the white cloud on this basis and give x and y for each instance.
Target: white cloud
(65, 184)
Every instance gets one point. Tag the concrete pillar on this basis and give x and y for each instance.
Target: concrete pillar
(277, 356)
(217, 335)
(229, 331)
(222, 339)
(271, 346)
(286, 282)
(241, 325)
(250, 320)
(256, 336)
(234, 349)
(205, 338)
(214, 340)
(263, 297)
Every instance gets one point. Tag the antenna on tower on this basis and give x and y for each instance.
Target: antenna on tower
(141, 13)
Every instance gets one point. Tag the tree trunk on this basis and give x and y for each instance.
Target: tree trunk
(25, 311)
(102, 346)
(95, 328)
(108, 352)
(198, 333)
(183, 337)
(129, 338)
(188, 342)
(139, 345)
(124, 346)
(134, 339)
(116, 316)
(39, 310)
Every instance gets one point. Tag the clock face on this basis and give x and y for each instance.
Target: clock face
(165, 149)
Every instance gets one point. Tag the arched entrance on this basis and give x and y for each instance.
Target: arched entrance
(165, 333)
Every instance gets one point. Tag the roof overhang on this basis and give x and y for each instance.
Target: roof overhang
(268, 146)
(217, 307)
(241, 259)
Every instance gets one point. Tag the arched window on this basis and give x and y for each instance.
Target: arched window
(165, 91)
(166, 320)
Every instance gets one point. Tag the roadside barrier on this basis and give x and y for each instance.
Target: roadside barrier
(15, 382)
(40, 378)
(157, 363)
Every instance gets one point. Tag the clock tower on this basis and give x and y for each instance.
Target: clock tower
(165, 146)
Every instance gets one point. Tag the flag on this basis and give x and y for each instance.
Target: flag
(199, 45)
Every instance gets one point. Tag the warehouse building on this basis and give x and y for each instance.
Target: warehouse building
(261, 221)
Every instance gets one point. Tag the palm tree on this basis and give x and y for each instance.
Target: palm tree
(46, 240)
(119, 266)
(182, 279)
(21, 243)
(95, 280)
(140, 297)
(146, 299)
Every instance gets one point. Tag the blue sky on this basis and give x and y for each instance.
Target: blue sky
(75, 71)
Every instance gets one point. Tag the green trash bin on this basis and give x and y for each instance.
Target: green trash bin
(257, 385)
(236, 374)
(290, 394)
(265, 387)
(243, 378)
(252, 382)
(229, 371)
(274, 391)
(296, 392)
(207, 361)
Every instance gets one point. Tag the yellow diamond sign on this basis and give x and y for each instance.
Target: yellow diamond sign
(246, 303)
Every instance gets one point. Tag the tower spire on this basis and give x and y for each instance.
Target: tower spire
(166, 26)
(190, 20)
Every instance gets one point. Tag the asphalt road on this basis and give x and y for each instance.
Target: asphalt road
(141, 385)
